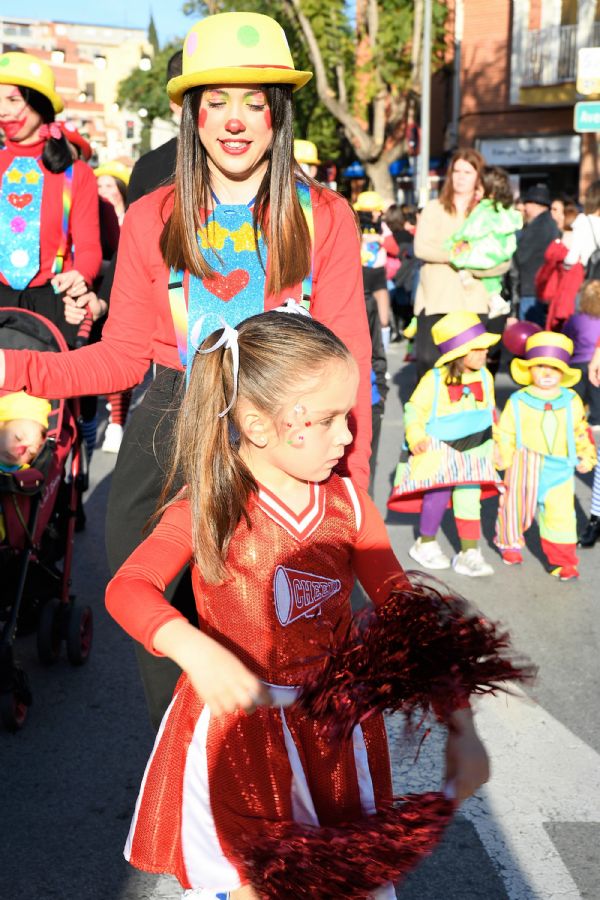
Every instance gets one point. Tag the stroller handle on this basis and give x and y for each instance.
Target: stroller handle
(83, 332)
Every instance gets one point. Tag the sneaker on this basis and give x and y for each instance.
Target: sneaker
(429, 555)
(112, 438)
(565, 573)
(471, 562)
(511, 557)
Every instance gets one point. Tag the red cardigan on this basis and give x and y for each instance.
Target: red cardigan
(139, 329)
(83, 223)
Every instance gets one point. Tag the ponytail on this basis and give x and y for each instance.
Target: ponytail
(217, 481)
(56, 155)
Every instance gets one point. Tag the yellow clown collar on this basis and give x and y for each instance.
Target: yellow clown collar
(235, 48)
(459, 332)
(116, 169)
(28, 71)
(546, 348)
(23, 406)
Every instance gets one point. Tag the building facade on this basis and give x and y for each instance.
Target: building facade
(516, 87)
(88, 62)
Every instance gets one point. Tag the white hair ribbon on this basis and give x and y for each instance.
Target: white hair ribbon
(292, 306)
(229, 339)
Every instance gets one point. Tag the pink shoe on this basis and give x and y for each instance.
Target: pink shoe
(512, 557)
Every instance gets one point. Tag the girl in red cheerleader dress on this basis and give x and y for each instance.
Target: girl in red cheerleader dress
(276, 539)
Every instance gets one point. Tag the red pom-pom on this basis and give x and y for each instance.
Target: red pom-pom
(351, 860)
(421, 650)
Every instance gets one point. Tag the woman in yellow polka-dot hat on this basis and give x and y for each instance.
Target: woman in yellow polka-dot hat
(48, 203)
(239, 230)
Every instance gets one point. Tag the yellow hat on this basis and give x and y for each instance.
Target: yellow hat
(23, 406)
(25, 70)
(236, 48)
(306, 152)
(546, 348)
(116, 169)
(459, 332)
(369, 201)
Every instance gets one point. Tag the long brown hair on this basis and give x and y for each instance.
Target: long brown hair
(277, 211)
(591, 201)
(279, 354)
(475, 159)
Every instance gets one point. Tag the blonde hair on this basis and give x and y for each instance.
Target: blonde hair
(278, 354)
(590, 299)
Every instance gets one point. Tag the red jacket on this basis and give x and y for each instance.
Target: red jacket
(139, 329)
(557, 286)
(84, 231)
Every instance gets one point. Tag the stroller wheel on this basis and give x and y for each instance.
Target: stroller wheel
(49, 632)
(80, 633)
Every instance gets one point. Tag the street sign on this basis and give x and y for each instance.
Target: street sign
(588, 70)
(586, 116)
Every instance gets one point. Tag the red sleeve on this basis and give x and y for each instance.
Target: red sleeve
(390, 246)
(84, 224)
(338, 301)
(135, 596)
(121, 359)
(374, 562)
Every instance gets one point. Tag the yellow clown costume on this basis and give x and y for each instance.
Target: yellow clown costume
(540, 440)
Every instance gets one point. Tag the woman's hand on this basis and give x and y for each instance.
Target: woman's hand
(71, 283)
(219, 678)
(467, 763)
(75, 309)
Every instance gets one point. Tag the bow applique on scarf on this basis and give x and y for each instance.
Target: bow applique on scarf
(457, 391)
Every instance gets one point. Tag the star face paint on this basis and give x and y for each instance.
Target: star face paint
(18, 120)
(235, 128)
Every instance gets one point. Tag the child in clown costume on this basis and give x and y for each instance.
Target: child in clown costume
(448, 425)
(488, 236)
(276, 540)
(542, 438)
(48, 203)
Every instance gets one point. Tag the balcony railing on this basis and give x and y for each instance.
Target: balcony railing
(550, 54)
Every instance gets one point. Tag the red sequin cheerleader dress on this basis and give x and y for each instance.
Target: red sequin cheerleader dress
(209, 779)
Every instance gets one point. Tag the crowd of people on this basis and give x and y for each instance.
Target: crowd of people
(239, 513)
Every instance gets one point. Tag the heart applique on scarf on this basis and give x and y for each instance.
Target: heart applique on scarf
(225, 287)
(20, 201)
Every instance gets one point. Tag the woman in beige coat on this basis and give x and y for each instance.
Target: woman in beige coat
(442, 288)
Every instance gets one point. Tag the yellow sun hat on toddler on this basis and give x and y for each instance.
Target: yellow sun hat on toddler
(546, 348)
(26, 70)
(235, 48)
(20, 405)
(459, 332)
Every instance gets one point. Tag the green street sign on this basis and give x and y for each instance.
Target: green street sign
(586, 116)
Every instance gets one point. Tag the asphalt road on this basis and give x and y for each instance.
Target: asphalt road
(70, 777)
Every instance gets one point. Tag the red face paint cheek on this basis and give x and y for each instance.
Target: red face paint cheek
(268, 118)
(202, 118)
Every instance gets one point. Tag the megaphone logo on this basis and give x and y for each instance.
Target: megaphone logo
(299, 594)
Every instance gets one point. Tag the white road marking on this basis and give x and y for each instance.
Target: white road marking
(541, 772)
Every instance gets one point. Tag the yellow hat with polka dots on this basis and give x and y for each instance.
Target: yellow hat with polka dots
(236, 48)
(25, 70)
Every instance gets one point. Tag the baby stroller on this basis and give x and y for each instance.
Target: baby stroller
(39, 506)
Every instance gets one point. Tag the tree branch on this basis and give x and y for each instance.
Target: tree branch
(359, 138)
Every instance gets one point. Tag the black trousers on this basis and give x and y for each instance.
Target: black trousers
(135, 488)
(45, 302)
(588, 393)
